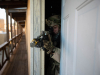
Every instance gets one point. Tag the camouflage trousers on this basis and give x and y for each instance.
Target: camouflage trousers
(53, 68)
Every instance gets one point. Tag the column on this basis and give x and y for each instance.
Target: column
(7, 31)
(36, 32)
(14, 28)
(11, 23)
(7, 25)
(21, 29)
(42, 18)
(17, 27)
(14, 33)
(17, 32)
(11, 31)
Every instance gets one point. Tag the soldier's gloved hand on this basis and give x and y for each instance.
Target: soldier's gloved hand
(48, 46)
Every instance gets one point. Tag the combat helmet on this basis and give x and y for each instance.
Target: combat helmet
(54, 20)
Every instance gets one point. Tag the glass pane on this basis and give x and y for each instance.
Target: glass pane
(2, 26)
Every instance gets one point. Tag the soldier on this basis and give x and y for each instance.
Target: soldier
(53, 58)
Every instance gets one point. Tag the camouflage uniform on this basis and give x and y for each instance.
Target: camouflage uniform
(53, 52)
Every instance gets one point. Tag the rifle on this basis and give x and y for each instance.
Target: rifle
(38, 42)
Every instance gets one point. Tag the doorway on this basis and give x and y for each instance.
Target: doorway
(52, 7)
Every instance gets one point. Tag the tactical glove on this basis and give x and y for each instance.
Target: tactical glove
(48, 46)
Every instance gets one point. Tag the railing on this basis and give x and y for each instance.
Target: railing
(7, 48)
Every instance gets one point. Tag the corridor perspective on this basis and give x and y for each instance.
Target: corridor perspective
(18, 64)
(21, 23)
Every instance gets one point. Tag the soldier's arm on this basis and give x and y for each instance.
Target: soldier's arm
(56, 54)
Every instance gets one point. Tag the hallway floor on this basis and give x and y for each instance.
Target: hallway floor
(18, 64)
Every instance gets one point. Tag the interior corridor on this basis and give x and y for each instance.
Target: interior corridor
(18, 64)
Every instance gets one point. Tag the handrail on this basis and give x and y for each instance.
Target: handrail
(6, 45)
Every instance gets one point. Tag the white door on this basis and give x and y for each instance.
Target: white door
(80, 45)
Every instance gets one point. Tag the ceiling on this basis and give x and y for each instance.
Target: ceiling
(17, 8)
(19, 14)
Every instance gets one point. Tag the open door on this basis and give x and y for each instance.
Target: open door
(80, 52)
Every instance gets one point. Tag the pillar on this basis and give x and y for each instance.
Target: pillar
(17, 28)
(11, 23)
(7, 25)
(11, 31)
(7, 31)
(42, 18)
(14, 33)
(14, 27)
